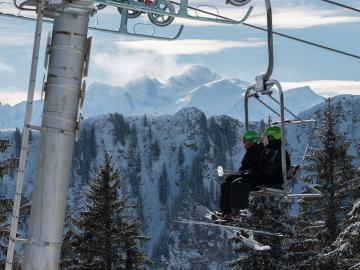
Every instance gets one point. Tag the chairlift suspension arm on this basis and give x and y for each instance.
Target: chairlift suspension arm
(270, 41)
(286, 109)
(267, 106)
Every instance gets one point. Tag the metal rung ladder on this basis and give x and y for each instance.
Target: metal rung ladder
(25, 137)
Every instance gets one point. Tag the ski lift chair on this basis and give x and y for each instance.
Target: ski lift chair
(264, 86)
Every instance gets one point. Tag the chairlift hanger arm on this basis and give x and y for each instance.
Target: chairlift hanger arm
(139, 35)
(138, 6)
(270, 41)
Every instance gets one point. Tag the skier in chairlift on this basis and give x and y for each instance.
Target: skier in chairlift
(266, 172)
(249, 166)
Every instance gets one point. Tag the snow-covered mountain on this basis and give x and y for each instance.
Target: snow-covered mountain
(196, 87)
(190, 147)
(214, 96)
(348, 108)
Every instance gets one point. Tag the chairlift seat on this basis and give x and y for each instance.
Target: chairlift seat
(268, 190)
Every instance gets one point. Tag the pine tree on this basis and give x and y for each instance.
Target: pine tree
(145, 120)
(321, 220)
(5, 204)
(163, 185)
(155, 150)
(108, 237)
(68, 256)
(134, 161)
(344, 253)
(121, 128)
(219, 143)
(85, 151)
(17, 139)
(181, 156)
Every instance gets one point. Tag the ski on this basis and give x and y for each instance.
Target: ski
(243, 235)
(203, 211)
(250, 242)
(229, 227)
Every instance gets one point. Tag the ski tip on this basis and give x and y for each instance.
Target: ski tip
(263, 248)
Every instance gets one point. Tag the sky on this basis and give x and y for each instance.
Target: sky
(233, 51)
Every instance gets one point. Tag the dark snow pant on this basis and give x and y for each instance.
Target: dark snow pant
(240, 189)
(225, 194)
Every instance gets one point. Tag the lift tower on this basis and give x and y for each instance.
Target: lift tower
(57, 137)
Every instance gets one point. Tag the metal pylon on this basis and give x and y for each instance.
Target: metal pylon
(25, 136)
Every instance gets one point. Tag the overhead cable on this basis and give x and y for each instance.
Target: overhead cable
(341, 5)
(305, 41)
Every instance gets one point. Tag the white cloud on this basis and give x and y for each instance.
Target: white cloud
(125, 65)
(159, 59)
(188, 46)
(328, 87)
(13, 96)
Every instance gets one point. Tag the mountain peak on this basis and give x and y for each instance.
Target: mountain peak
(191, 78)
(143, 81)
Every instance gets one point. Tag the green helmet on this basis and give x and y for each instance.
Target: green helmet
(251, 135)
(275, 132)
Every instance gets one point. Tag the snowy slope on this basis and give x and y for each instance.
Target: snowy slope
(196, 87)
(215, 98)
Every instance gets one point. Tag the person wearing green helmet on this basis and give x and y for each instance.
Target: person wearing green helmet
(272, 164)
(251, 142)
(268, 171)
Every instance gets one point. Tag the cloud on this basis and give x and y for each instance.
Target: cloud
(18, 39)
(120, 67)
(188, 46)
(4, 67)
(132, 59)
(13, 96)
(301, 17)
(328, 87)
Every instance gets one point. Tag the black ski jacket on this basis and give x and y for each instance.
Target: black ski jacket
(249, 163)
(252, 159)
(270, 168)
